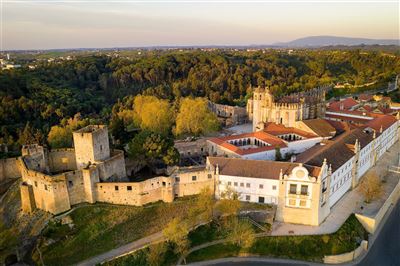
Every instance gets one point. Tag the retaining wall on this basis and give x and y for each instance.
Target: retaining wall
(349, 256)
(371, 223)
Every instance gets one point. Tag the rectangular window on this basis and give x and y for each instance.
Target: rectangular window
(248, 197)
(292, 202)
(261, 186)
(177, 179)
(116, 188)
(235, 184)
(273, 187)
(247, 185)
(261, 199)
(129, 188)
(35, 183)
(303, 203)
(293, 189)
(194, 178)
(242, 184)
(304, 190)
(229, 183)
(45, 187)
(209, 176)
(164, 184)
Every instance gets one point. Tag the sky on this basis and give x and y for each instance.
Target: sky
(50, 24)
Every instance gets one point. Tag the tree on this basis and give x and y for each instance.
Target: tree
(26, 136)
(153, 114)
(229, 203)
(60, 137)
(240, 233)
(156, 253)
(176, 232)
(202, 206)
(370, 186)
(278, 154)
(195, 118)
(151, 147)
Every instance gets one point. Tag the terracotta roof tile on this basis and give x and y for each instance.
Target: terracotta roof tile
(347, 104)
(270, 139)
(321, 127)
(338, 151)
(383, 121)
(279, 129)
(257, 168)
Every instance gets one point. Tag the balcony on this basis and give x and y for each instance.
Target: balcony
(290, 193)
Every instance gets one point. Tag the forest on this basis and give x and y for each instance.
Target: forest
(92, 88)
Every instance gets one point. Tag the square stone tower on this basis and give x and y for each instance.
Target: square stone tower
(91, 145)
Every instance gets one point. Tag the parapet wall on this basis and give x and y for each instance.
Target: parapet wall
(61, 160)
(113, 167)
(50, 192)
(9, 168)
(136, 193)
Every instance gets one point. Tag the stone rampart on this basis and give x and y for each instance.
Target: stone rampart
(113, 168)
(9, 168)
(62, 160)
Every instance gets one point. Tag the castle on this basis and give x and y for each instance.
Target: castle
(57, 179)
(286, 110)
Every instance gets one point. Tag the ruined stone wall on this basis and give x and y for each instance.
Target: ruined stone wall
(9, 169)
(191, 148)
(136, 193)
(37, 161)
(62, 160)
(76, 190)
(50, 192)
(113, 167)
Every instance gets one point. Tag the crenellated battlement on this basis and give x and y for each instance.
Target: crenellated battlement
(286, 109)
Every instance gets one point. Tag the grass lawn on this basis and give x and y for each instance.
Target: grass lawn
(99, 228)
(311, 248)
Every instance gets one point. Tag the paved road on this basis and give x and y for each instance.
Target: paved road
(122, 250)
(386, 249)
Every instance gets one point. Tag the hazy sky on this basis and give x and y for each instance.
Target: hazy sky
(49, 24)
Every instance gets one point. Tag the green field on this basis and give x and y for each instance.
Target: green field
(310, 248)
(99, 228)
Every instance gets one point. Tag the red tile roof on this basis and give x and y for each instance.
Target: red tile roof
(257, 168)
(347, 104)
(383, 121)
(338, 151)
(270, 139)
(279, 129)
(321, 127)
(365, 97)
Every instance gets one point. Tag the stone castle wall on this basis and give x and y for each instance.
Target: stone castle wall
(9, 168)
(50, 192)
(136, 193)
(61, 160)
(113, 167)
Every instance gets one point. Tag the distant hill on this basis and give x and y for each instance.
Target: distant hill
(319, 41)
